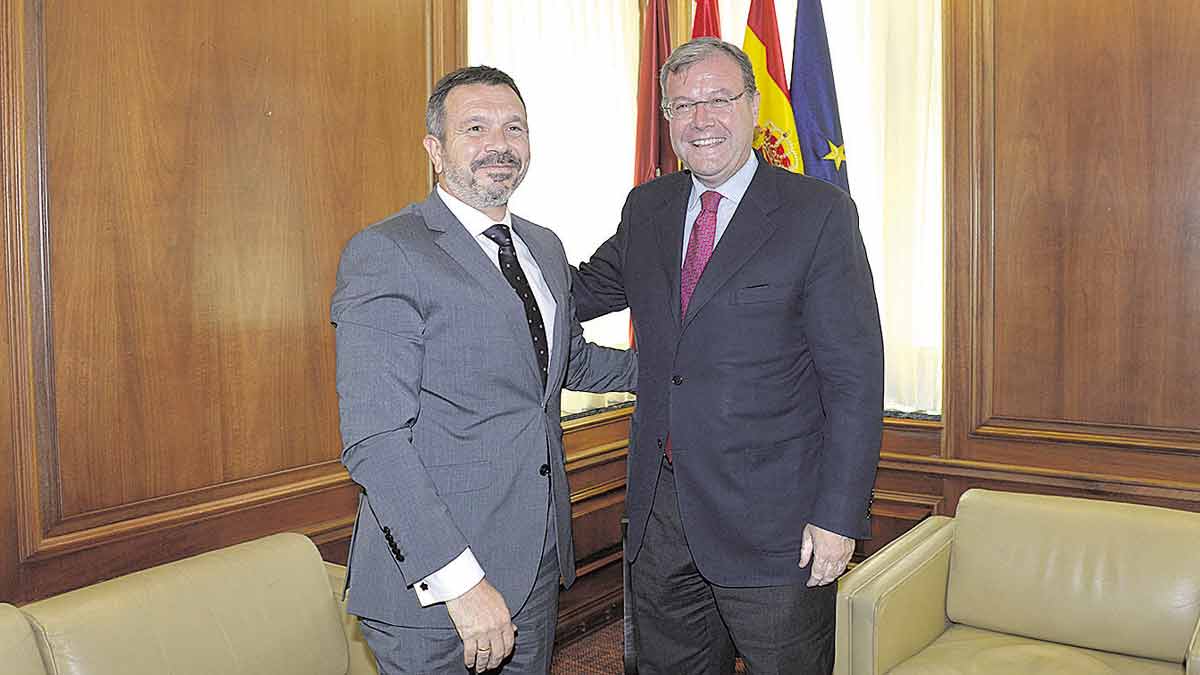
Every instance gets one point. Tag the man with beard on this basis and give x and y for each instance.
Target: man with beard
(455, 335)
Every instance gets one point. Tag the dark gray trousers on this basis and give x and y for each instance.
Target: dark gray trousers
(684, 624)
(439, 651)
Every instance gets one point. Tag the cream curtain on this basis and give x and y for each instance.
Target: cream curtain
(576, 64)
(887, 59)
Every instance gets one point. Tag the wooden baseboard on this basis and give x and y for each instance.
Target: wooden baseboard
(594, 601)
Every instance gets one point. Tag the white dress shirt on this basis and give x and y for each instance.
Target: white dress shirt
(461, 574)
(731, 191)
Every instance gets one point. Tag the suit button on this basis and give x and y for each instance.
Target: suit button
(544, 469)
(677, 380)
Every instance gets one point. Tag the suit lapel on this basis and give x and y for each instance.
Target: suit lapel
(669, 226)
(549, 263)
(454, 239)
(749, 229)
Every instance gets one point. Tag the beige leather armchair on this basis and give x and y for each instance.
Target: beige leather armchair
(1020, 584)
(263, 607)
(18, 648)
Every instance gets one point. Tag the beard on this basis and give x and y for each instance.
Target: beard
(478, 195)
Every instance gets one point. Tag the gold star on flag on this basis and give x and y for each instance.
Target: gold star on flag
(837, 153)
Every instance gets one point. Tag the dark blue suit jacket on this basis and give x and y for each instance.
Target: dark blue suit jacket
(771, 388)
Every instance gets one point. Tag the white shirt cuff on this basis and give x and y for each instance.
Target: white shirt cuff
(457, 577)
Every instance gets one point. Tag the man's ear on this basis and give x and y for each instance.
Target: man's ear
(433, 147)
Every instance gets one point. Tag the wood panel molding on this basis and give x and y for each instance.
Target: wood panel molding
(120, 526)
(1184, 493)
(989, 419)
(1180, 441)
(44, 529)
(600, 454)
(446, 18)
(892, 514)
(24, 218)
(66, 533)
(908, 506)
(917, 437)
(613, 492)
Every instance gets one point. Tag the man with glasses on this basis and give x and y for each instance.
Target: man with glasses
(760, 395)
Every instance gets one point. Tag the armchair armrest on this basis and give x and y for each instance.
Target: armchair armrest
(894, 604)
(1193, 653)
(362, 660)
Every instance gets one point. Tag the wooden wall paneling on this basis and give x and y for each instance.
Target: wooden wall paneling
(1048, 485)
(448, 21)
(894, 513)
(1093, 266)
(324, 515)
(1073, 252)
(967, 188)
(596, 451)
(911, 437)
(907, 478)
(169, 361)
(19, 168)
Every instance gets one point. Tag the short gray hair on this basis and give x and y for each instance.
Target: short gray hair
(435, 109)
(699, 49)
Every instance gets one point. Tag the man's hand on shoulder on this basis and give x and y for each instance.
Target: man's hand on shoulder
(485, 626)
(829, 552)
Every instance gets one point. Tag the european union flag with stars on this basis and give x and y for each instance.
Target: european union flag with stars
(814, 100)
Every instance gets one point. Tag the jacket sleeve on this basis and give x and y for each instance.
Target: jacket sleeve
(598, 285)
(380, 354)
(842, 327)
(591, 367)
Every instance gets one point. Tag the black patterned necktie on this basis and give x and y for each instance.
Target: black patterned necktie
(516, 278)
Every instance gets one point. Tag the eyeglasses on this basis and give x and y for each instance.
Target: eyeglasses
(682, 110)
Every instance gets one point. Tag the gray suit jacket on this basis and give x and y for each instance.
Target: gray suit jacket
(445, 422)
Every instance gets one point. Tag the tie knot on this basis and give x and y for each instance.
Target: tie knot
(499, 233)
(709, 201)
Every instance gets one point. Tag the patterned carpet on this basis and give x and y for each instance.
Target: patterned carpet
(599, 653)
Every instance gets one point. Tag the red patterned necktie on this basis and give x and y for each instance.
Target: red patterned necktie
(699, 249)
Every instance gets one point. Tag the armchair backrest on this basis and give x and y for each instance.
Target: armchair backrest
(18, 649)
(258, 608)
(1118, 577)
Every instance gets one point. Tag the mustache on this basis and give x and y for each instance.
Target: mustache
(496, 158)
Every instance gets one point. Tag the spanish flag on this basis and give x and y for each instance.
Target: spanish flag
(775, 134)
